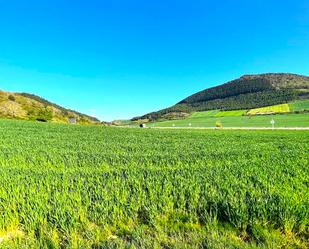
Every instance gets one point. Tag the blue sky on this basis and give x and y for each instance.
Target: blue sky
(119, 58)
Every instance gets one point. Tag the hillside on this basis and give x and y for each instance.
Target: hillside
(247, 92)
(31, 107)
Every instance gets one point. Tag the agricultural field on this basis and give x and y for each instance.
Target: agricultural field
(211, 113)
(217, 113)
(67, 186)
(282, 108)
(200, 120)
(73, 186)
(299, 106)
(235, 113)
(296, 106)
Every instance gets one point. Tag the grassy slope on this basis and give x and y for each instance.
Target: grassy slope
(211, 113)
(31, 107)
(299, 106)
(235, 113)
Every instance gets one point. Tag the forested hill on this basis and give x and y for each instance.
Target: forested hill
(249, 91)
(31, 107)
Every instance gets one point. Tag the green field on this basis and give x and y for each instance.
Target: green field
(299, 106)
(258, 117)
(211, 113)
(235, 113)
(67, 186)
(200, 120)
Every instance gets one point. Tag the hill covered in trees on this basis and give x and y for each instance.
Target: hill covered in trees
(31, 107)
(247, 92)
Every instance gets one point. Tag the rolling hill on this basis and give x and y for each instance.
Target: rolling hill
(247, 92)
(31, 107)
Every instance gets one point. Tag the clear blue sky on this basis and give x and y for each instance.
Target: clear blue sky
(120, 58)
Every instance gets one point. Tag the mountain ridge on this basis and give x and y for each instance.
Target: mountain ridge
(247, 92)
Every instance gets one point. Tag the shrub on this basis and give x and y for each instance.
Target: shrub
(11, 97)
(218, 124)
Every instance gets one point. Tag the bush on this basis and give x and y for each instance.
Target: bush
(218, 124)
(11, 97)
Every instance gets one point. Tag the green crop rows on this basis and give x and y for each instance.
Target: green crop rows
(95, 187)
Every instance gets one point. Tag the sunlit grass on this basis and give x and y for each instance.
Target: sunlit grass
(95, 187)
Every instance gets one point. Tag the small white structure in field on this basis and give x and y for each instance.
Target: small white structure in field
(142, 126)
(272, 122)
(72, 120)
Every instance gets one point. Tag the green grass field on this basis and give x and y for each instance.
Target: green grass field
(67, 186)
(211, 113)
(197, 120)
(236, 113)
(217, 113)
(299, 106)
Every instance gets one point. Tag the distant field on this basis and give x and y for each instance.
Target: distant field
(282, 120)
(65, 186)
(299, 106)
(217, 113)
(211, 113)
(283, 108)
(283, 115)
(236, 113)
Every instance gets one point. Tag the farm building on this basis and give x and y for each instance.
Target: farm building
(72, 120)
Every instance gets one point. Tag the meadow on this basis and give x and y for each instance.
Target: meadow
(235, 119)
(65, 186)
